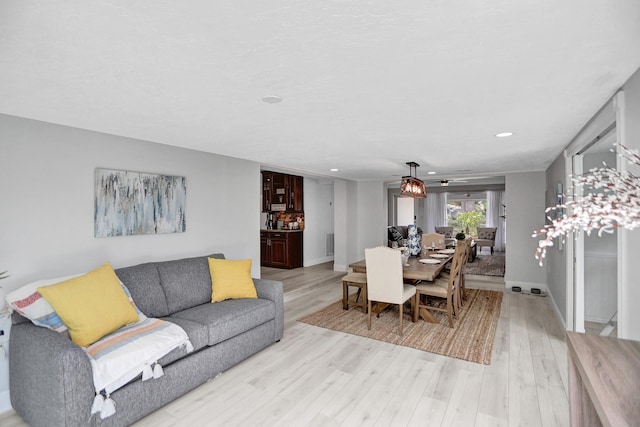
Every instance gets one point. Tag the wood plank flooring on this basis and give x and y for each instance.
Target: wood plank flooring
(318, 377)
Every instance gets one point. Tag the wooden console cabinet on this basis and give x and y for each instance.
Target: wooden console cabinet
(281, 249)
(604, 380)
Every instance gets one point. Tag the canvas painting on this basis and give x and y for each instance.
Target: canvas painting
(128, 203)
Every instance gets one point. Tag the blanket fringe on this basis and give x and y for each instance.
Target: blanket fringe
(108, 408)
(157, 371)
(147, 372)
(188, 346)
(98, 403)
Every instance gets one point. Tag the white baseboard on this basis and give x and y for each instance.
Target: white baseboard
(339, 267)
(312, 262)
(557, 310)
(595, 319)
(5, 401)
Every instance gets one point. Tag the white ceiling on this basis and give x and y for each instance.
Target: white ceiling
(366, 85)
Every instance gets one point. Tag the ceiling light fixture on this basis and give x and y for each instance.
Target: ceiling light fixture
(431, 173)
(272, 99)
(412, 186)
(444, 183)
(503, 134)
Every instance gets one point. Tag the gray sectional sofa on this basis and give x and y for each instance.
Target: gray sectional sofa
(50, 377)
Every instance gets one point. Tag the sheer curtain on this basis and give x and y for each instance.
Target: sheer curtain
(495, 200)
(436, 211)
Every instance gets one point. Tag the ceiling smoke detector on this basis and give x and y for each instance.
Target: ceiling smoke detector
(272, 99)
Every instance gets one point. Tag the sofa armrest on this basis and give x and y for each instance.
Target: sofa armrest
(273, 290)
(47, 370)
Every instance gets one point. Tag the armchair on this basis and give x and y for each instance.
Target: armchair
(448, 234)
(486, 237)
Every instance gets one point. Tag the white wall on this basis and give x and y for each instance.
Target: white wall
(319, 220)
(600, 260)
(629, 322)
(555, 263)
(340, 225)
(524, 194)
(47, 197)
(371, 217)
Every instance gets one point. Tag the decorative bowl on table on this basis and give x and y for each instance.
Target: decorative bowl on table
(439, 256)
(430, 261)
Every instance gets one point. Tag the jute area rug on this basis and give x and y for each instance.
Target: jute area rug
(471, 338)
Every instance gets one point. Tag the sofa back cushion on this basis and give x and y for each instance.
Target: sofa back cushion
(186, 282)
(143, 282)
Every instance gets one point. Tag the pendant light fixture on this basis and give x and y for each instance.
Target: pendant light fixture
(411, 186)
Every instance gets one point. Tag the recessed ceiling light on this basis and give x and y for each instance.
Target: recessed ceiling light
(503, 134)
(431, 173)
(272, 99)
(333, 170)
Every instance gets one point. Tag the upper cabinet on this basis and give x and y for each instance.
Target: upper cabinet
(282, 192)
(266, 190)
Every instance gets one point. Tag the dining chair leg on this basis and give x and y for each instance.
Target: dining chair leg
(416, 306)
(450, 311)
(369, 315)
(401, 310)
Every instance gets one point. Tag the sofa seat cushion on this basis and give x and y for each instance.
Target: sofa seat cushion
(229, 318)
(198, 335)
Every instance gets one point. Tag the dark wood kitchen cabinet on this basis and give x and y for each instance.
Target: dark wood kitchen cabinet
(282, 192)
(296, 201)
(267, 178)
(281, 249)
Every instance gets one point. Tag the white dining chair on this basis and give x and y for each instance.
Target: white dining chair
(384, 280)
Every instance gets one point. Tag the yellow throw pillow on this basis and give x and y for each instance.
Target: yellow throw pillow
(92, 305)
(231, 279)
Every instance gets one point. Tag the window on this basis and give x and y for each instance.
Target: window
(466, 212)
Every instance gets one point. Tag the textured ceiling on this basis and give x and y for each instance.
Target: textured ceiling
(366, 85)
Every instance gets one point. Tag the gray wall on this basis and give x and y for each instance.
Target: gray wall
(319, 220)
(555, 262)
(47, 197)
(524, 194)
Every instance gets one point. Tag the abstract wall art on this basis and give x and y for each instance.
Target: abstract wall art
(128, 203)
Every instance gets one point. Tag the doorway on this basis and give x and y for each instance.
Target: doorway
(596, 257)
(405, 211)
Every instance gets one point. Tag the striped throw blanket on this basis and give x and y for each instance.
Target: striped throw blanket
(130, 351)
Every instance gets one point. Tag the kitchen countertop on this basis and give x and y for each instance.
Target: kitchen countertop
(281, 231)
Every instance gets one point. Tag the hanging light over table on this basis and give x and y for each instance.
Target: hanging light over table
(411, 186)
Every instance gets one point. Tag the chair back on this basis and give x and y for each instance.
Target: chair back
(487, 233)
(456, 265)
(433, 239)
(384, 274)
(447, 231)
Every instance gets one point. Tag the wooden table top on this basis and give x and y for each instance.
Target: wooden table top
(415, 271)
(610, 371)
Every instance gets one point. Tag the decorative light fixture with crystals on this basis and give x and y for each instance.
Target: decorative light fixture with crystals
(444, 183)
(412, 186)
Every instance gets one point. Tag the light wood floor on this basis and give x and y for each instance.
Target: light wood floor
(318, 377)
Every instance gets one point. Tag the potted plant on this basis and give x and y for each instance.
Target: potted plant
(460, 236)
(470, 220)
(610, 199)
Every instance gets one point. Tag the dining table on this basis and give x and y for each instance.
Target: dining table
(414, 271)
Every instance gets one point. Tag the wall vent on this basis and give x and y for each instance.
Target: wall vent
(329, 244)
